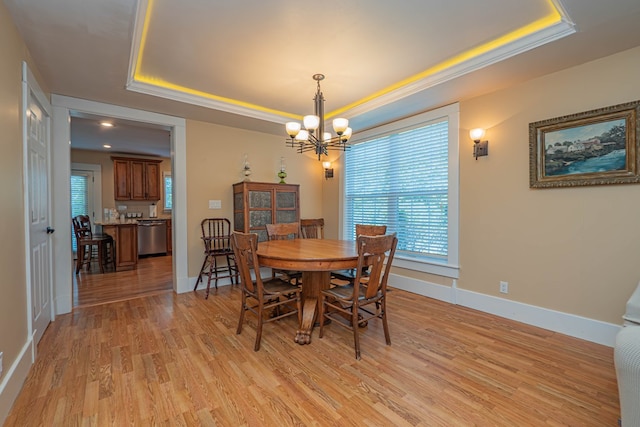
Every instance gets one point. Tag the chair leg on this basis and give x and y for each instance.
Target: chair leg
(236, 270)
(243, 308)
(79, 257)
(215, 270)
(354, 326)
(385, 325)
(211, 267)
(204, 263)
(232, 269)
(259, 327)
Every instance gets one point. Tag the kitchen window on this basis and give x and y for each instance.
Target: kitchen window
(167, 185)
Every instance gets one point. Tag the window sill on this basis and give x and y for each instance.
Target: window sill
(427, 265)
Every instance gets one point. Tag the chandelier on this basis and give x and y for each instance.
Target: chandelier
(314, 137)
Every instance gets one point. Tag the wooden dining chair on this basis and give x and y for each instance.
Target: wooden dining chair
(285, 231)
(370, 230)
(343, 277)
(216, 236)
(357, 303)
(312, 228)
(270, 299)
(92, 247)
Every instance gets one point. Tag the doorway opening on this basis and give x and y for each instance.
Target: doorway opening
(67, 108)
(101, 150)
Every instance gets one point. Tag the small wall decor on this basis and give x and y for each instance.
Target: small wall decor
(283, 171)
(590, 148)
(246, 168)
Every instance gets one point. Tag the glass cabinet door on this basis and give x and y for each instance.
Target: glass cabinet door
(286, 209)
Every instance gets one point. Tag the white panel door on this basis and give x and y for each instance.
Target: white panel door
(37, 129)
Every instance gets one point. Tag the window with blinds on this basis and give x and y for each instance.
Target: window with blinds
(168, 192)
(79, 201)
(400, 177)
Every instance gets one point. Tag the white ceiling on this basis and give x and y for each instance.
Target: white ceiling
(248, 63)
(124, 137)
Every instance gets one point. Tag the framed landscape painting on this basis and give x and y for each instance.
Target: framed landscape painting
(590, 148)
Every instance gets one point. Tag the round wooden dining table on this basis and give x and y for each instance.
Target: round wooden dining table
(315, 258)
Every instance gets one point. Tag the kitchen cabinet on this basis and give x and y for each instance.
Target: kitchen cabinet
(136, 179)
(125, 236)
(256, 204)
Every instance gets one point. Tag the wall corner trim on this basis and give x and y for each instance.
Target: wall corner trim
(14, 379)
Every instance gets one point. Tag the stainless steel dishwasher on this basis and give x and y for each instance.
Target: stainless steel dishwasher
(152, 237)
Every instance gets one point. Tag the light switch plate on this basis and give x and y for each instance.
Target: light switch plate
(215, 204)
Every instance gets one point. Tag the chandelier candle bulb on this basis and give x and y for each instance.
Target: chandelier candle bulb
(303, 135)
(346, 135)
(340, 125)
(311, 122)
(293, 128)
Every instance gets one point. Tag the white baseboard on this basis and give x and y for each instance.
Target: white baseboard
(568, 324)
(14, 379)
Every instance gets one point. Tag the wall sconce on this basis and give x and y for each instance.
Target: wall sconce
(328, 170)
(480, 148)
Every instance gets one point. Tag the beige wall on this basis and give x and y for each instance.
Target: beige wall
(573, 250)
(104, 160)
(13, 304)
(215, 157)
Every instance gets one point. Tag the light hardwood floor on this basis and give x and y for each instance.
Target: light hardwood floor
(175, 360)
(153, 275)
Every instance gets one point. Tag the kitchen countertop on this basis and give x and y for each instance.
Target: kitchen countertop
(125, 222)
(130, 221)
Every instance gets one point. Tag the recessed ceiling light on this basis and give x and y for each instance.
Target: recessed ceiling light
(106, 124)
(106, 145)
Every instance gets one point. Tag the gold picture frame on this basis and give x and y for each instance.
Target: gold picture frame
(594, 147)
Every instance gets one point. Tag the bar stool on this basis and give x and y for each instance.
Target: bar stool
(217, 244)
(89, 244)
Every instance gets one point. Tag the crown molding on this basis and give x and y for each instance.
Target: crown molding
(544, 36)
(557, 30)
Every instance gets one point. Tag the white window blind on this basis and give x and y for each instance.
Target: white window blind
(400, 180)
(79, 200)
(168, 193)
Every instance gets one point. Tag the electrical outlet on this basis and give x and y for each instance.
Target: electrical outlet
(504, 287)
(215, 204)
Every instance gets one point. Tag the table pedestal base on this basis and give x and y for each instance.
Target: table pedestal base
(313, 283)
